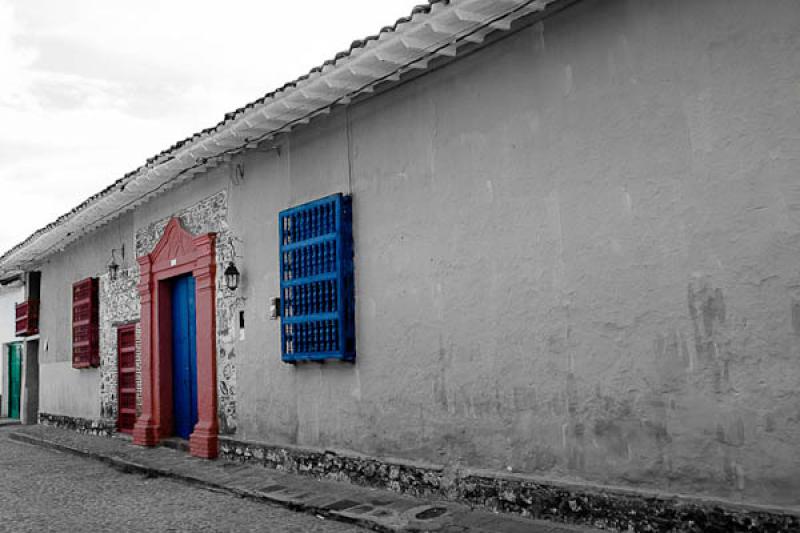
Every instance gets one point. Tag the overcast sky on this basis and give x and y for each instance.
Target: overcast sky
(89, 89)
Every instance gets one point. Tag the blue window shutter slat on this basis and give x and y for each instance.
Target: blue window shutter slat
(316, 273)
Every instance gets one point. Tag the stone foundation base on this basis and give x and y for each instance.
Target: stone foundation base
(100, 428)
(604, 507)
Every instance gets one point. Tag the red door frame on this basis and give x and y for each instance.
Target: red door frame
(178, 252)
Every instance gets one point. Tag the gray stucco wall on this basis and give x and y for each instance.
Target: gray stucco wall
(63, 389)
(576, 256)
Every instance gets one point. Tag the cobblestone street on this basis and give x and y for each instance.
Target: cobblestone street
(45, 490)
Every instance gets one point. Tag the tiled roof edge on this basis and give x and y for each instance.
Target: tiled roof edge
(12, 261)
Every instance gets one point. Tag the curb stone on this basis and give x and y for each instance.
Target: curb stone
(380, 511)
(129, 467)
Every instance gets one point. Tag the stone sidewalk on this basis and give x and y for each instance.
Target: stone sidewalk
(370, 508)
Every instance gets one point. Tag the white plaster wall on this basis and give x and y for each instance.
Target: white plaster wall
(67, 391)
(64, 390)
(9, 297)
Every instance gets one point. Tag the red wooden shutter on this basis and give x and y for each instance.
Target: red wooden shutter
(126, 359)
(27, 318)
(85, 324)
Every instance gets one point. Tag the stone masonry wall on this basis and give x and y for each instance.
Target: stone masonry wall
(98, 428)
(119, 304)
(604, 507)
(207, 216)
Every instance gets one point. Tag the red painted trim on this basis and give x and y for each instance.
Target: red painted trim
(27, 318)
(85, 323)
(177, 253)
(126, 396)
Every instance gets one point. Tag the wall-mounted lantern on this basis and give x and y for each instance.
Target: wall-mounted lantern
(232, 276)
(113, 266)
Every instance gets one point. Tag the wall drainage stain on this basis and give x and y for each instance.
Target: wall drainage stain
(433, 512)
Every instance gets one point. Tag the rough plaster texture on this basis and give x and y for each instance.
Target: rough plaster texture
(119, 304)
(576, 257)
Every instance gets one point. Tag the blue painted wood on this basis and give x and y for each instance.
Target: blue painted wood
(192, 347)
(184, 356)
(310, 317)
(316, 264)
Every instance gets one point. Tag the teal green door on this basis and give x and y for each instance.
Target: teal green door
(14, 379)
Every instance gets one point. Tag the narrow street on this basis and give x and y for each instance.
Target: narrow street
(45, 490)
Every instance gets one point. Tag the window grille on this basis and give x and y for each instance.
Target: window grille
(316, 266)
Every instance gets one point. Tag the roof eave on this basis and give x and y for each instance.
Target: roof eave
(441, 29)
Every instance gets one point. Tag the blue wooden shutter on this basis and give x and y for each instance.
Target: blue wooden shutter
(316, 264)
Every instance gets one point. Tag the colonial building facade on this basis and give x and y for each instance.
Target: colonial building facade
(11, 360)
(554, 244)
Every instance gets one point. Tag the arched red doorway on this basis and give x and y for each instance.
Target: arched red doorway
(177, 253)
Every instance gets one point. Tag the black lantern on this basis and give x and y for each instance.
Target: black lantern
(232, 276)
(113, 266)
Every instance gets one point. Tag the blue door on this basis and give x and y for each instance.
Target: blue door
(184, 356)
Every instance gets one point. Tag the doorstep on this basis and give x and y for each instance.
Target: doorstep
(371, 508)
(176, 443)
(9, 422)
